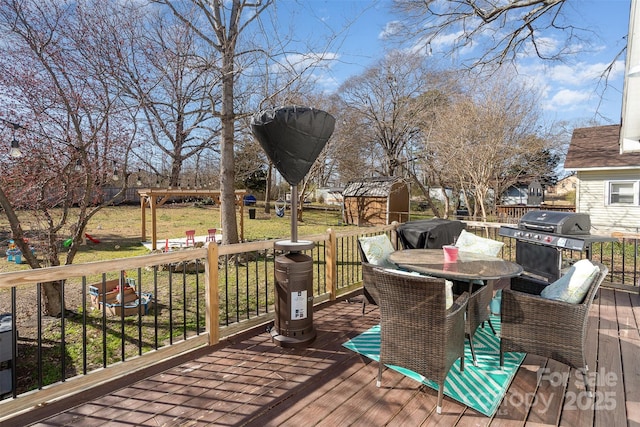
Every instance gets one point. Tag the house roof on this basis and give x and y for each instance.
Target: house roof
(598, 147)
(370, 187)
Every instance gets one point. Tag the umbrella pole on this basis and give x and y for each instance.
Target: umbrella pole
(294, 213)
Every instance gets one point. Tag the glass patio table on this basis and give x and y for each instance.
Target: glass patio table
(468, 266)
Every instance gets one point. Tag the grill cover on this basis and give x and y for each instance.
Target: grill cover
(429, 233)
(568, 223)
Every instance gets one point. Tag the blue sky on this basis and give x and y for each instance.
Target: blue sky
(571, 90)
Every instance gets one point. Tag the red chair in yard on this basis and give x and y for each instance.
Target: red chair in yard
(191, 237)
(212, 235)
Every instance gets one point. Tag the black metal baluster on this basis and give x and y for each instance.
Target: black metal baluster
(170, 303)
(197, 297)
(123, 281)
(63, 340)
(184, 300)
(39, 317)
(138, 290)
(247, 309)
(14, 343)
(636, 282)
(236, 263)
(84, 325)
(155, 307)
(257, 282)
(104, 320)
(266, 280)
(226, 289)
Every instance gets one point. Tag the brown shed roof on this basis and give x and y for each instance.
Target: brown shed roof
(598, 147)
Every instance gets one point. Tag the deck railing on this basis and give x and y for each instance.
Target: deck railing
(197, 297)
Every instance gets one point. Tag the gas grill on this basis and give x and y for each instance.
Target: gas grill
(542, 236)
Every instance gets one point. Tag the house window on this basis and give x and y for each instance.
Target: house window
(623, 192)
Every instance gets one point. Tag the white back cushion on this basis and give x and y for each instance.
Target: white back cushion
(377, 250)
(469, 242)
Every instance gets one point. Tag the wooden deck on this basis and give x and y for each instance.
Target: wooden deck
(253, 382)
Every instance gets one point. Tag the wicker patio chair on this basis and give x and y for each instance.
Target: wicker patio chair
(545, 327)
(417, 331)
(477, 310)
(369, 292)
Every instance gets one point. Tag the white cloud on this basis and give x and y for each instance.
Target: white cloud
(545, 46)
(568, 99)
(583, 73)
(300, 62)
(390, 29)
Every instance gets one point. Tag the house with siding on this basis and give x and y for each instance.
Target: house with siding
(564, 186)
(608, 180)
(606, 159)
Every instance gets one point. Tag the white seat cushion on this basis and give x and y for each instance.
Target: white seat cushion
(574, 285)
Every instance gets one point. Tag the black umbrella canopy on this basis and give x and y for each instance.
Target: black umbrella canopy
(293, 138)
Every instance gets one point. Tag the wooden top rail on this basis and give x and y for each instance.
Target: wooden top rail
(62, 272)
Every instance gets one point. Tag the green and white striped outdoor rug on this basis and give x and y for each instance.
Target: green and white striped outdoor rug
(479, 387)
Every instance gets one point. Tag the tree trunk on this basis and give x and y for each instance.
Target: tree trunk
(52, 298)
(52, 291)
(227, 160)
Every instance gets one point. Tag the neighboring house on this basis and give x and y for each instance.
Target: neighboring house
(531, 194)
(564, 186)
(330, 196)
(516, 194)
(608, 182)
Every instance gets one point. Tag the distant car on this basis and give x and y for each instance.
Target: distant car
(249, 200)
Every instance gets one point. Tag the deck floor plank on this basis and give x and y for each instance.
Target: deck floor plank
(547, 401)
(629, 348)
(608, 410)
(583, 416)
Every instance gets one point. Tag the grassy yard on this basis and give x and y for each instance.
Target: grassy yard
(118, 228)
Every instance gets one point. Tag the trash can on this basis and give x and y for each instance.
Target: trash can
(293, 324)
(6, 352)
(252, 213)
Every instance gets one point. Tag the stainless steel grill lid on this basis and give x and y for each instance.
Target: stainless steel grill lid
(567, 223)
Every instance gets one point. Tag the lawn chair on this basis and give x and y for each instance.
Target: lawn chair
(191, 237)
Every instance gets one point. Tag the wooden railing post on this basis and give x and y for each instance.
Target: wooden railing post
(212, 308)
(332, 264)
(143, 217)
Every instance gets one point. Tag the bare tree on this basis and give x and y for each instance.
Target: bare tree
(75, 132)
(380, 104)
(484, 141)
(501, 30)
(161, 70)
